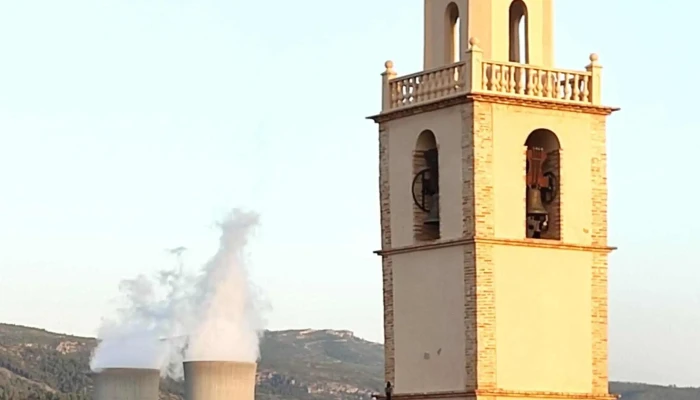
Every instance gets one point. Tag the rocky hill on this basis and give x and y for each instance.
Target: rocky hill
(295, 365)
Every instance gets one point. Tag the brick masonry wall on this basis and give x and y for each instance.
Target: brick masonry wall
(599, 234)
(599, 322)
(387, 272)
(478, 204)
(599, 237)
(389, 361)
(467, 171)
(482, 136)
(480, 318)
(470, 278)
(470, 317)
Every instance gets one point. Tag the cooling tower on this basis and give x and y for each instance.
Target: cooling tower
(127, 384)
(219, 380)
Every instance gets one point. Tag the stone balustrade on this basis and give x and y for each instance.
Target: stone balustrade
(427, 85)
(475, 75)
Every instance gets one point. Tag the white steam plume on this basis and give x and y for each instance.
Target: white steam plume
(226, 324)
(132, 338)
(212, 316)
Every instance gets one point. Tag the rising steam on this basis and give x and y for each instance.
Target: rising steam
(226, 324)
(131, 339)
(211, 316)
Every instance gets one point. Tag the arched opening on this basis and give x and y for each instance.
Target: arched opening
(453, 34)
(426, 188)
(542, 185)
(518, 42)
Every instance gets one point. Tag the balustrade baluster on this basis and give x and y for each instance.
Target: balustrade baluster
(414, 88)
(417, 89)
(519, 81)
(503, 82)
(530, 82)
(511, 79)
(586, 95)
(398, 93)
(438, 84)
(576, 94)
(445, 82)
(545, 83)
(409, 90)
(497, 71)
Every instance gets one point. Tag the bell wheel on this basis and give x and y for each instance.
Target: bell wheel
(418, 191)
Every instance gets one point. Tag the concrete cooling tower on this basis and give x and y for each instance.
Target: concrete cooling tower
(219, 380)
(127, 384)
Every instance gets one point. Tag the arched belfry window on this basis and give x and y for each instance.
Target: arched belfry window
(453, 36)
(518, 43)
(542, 185)
(426, 188)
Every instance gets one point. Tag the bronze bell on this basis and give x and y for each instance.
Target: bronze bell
(433, 217)
(534, 202)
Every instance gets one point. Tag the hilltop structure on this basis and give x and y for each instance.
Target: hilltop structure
(494, 212)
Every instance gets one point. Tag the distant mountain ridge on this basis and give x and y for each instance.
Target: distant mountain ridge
(295, 365)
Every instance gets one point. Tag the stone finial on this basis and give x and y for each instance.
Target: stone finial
(594, 69)
(389, 65)
(473, 43)
(387, 76)
(594, 59)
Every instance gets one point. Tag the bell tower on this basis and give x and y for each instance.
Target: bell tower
(517, 31)
(493, 200)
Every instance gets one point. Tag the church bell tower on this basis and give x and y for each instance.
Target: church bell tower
(494, 212)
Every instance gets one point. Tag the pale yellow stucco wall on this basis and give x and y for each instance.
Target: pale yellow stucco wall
(543, 316)
(511, 127)
(446, 125)
(429, 330)
(488, 21)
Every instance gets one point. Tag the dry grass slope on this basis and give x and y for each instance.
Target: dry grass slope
(295, 365)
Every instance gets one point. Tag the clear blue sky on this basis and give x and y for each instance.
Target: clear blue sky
(128, 127)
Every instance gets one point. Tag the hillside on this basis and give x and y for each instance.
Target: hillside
(295, 365)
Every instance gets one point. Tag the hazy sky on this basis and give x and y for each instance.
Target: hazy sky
(130, 126)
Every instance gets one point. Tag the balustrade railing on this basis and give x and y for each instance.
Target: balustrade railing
(536, 82)
(475, 75)
(427, 85)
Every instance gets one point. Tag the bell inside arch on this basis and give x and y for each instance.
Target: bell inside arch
(433, 217)
(535, 207)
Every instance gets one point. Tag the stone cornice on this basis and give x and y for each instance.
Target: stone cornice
(532, 102)
(499, 393)
(538, 243)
